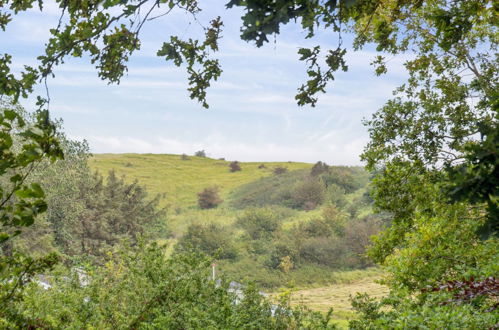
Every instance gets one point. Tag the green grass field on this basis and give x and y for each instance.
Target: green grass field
(181, 180)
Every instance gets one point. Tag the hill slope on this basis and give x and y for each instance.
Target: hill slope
(181, 180)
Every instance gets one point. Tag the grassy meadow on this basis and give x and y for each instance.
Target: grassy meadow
(180, 180)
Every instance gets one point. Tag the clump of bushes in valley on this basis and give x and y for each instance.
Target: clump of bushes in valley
(302, 189)
(214, 240)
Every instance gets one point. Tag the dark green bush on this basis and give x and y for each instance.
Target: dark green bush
(308, 194)
(315, 228)
(260, 223)
(324, 251)
(209, 198)
(345, 177)
(282, 248)
(213, 240)
(235, 166)
(200, 153)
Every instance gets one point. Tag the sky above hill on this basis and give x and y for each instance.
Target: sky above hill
(253, 115)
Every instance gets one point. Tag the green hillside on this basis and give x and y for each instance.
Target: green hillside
(181, 180)
(265, 220)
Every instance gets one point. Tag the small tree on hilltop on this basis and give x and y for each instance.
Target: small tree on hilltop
(235, 166)
(209, 198)
(200, 153)
(319, 168)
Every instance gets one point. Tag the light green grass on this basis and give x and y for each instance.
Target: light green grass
(181, 180)
(338, 295)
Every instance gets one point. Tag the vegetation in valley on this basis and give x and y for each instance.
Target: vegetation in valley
(319, 222)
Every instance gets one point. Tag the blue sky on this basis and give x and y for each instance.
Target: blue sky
(253, 115)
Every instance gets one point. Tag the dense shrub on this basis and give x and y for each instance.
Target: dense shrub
(184, 157)
(209, 198)
(280, 250)
(259, 223)
(140, 289)
(342, 176)
(335, 219)
(88, 213)
(336, 195)
(325, 251)
(315, 228)
(358, 235)
(213, 240)
(235, 166)
(308, 194)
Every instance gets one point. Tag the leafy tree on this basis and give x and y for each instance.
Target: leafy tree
(319, 168)
(24, 143)
(103, 212)
(209, 198)
(308, 194)
(200, 153)
(87, 214)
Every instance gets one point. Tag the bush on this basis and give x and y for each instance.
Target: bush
(213, 240)
(234, 166)
(324, 251)
(209, 198)
(141, 289)
(259, 223)
(358, 235)
(262, 166)
(336, 195)
(282, 249)
(184, 157)
(314, 228)
(308, 194)
(200, 153)
(345, 177)
(335, 219)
